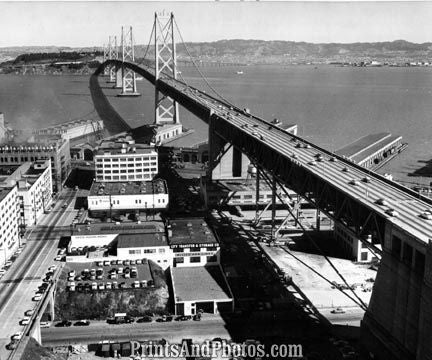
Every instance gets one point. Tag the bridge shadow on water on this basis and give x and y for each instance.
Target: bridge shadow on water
(113, 122)
(425, 170)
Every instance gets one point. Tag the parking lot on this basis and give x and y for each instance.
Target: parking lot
(108, 275)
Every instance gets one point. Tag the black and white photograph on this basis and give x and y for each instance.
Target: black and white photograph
(215, 180)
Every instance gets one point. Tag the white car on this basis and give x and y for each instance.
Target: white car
(44, 324)
(17, 336)
(392, 212)
(52, 268)
(426, 215)
(37, 297)
(58, 258)
(29, 312)
(25, 320)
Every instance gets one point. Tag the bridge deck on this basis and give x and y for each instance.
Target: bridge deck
(406, 202)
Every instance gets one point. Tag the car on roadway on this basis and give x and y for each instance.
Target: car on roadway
(381, 201)
(29, 312)
(333, 159)
(426, 215)
(52, 268)
(392, 212)
(197, 317)
(44, 324)
(58, 258)
(183, 318)
(165, 318)
(25, 320)
(338, 310)
(37, 297)
(12, 345)
(82, 323)
(354, 182)
(145, 319)
(8, 263)
(64, 323)
(17, 336)
(65, 205)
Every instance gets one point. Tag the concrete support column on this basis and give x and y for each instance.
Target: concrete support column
(51, 304)
(318, 222)
(36, 333)
(119, 77)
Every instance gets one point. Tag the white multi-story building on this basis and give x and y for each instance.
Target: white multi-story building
(117, 198)
(34, 186)
(125, 161)
(9, 213)
(193, 243)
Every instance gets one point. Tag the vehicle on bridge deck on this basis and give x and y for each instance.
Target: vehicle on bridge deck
(338, 310)
(82, 323)
(64, 323)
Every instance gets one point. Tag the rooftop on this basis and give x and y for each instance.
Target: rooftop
(191, 231)
(123, 146)
(4, 191)
(26, 147)
(128, 188)
(141, 240)
(361, 144)
(199, 284)
(387, 142)
(112, 228)
(67, 125)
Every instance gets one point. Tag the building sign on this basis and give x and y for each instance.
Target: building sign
(195, 254)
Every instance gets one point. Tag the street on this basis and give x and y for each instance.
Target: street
(21, 281)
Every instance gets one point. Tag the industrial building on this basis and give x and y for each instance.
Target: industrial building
(108, 199)
(9, 231)
(200, 289)
(125, 161)
(57, 151)
(34, 184)
(129, 241)
(374, 150)
(351, 245)
(74, 131)
(193, 243)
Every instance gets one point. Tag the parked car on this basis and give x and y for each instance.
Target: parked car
(82, 323)
(37, 297)
(25, 320)
(17, 336)
(197, 317)
(338, 310)
(12, 345)
(64, 323)
(145, 319)
(29, 312)
(183, 318)
(44, 324)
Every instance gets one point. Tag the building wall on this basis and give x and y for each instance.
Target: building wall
(36, 199)
(126, 167)
(164, 134)
(9, 234)
(161, 255)
(196, 256)
(127, 202)
(59, 156)
(352, 246)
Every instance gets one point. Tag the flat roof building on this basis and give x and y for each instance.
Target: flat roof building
(123, 160)
(57, 151)
(34, 183)
(9, 230)
(193, 243)
(108, 199)
(199, 289)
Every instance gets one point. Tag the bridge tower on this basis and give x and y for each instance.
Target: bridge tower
(105, 58)
(166, 109)
(112, 54)
(128, 78)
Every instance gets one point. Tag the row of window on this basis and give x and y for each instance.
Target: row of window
(195, 259)
(15, 159)
(145, 251)
(208, 248)
(123, 177)
(139, 170)
(146, 164)
(126, 159)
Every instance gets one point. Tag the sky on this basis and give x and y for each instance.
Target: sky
(89, 23)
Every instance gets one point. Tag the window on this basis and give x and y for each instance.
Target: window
(178, 250)
(195, 259)
(212, 258)
(149, 251)
(364, 256)
(161, 251)
(133, 252)
(178, 260)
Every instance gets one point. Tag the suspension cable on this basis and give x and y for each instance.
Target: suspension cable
(196, 67)
(148, 45)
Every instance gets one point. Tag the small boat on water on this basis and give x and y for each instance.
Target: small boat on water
(239, 72)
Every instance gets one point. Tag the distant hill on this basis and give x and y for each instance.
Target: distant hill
(260, 51)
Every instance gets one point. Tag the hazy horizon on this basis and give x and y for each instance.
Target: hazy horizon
(88, 24)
